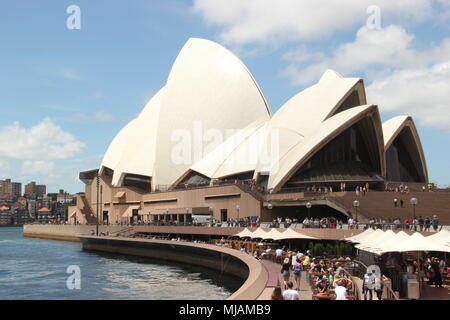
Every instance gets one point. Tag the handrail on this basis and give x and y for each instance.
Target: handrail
(390, 293)
(119, 232)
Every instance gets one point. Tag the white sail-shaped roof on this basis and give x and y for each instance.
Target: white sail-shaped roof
(138, 157)
(211, 118)
(261, 146)
(392, 129)
(208, 93)
(329, 129)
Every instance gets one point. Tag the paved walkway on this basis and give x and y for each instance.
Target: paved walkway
(429, 292)
(275, 278)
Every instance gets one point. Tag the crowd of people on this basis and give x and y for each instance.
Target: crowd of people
(327, 277)
(415, 224)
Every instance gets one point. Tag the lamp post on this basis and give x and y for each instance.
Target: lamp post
(309, 205)
(98, 190)
(414, 201)
(237, 210)
(356, 205)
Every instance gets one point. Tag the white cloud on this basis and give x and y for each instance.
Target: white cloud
(43, 171)
(277, 21)
(44, 141)
(422, 92)
(388, 47)
(400, 79)
(37, 167)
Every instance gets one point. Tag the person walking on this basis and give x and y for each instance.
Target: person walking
(378, 286)
(435, 222)
(297, 273)
(290, 293)
(437, 279)
(368, 282)
(286, 271)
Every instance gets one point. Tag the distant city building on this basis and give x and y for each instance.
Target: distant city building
(5, 215)
(44, 215)
(33, 190)
(11, 189)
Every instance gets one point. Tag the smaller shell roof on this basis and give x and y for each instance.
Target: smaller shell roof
(392, 127)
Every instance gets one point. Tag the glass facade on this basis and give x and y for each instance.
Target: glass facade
(351, 156)
(403, 160)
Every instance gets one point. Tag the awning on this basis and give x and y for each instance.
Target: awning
(375, 243)
(246, 233)
(443, 235)
(369, 236)
(292, 234)
(129, 212)
(119, 194)
(258, 234)
(273, 234)
(359, 236)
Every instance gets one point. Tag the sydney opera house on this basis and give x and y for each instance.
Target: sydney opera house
(207, 143)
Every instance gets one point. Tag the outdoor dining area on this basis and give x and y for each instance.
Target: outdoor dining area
(404, 257)
(260, 240)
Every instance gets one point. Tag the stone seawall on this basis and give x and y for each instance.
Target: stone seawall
(65, 232)
(224, 260)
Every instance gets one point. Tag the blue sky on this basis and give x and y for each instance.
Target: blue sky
(64, 94)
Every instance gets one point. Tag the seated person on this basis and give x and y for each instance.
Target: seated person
(323, 286)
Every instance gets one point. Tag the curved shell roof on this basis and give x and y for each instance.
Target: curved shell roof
(210, 94)
(394, 126)
(264, 147)
(328, 130)
(209, 91)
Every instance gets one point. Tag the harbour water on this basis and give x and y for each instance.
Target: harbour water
(37, 269)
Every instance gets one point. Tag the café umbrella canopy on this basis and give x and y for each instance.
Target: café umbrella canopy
(443, 235)
(292, 234)
(356, 238)
(258, 234)
(246, 233)
(374, 242)
(418, 242)
(273, 234)
(369, 236)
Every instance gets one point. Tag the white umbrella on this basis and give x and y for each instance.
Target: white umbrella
(443, 235)
(394, 242)
(369, 236)
(291, 234)
(272, 234)
(417, 242)
(374, 242)
(244, 233)
(258, 234)
(356, 238)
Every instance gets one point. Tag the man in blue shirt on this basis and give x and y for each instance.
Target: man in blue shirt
(368, 284)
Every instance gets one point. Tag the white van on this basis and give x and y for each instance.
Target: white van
(197, 218)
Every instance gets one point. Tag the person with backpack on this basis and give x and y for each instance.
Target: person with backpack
(297, 273)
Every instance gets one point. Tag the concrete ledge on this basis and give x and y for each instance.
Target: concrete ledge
(221, 259)
(64, 232)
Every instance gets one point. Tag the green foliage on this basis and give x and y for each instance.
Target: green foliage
(329, 249)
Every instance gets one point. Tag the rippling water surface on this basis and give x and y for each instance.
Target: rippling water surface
(36, 269)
